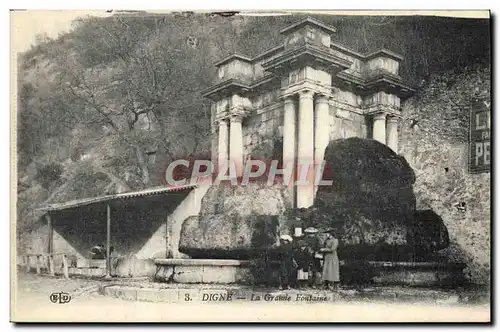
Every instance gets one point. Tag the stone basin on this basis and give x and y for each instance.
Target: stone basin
(418, 274)
(230, 271)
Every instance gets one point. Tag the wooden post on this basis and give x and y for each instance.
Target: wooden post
(108, 241)
(37, 260)
(65, 266)
(28, 267)
(51, 265)
(50, 242)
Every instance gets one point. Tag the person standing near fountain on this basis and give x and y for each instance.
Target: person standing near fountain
(314, 245)
(287, 267)
(331, 274)
(302, 256)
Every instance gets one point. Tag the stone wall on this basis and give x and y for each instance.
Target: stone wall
(190, 206)
(346, 124)
(434, 139)
(261, 129)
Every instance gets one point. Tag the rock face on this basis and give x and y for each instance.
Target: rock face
(235, 222)
(434, 138)
(371, 203)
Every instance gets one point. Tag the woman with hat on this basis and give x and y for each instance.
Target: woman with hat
(287, 263)
(331, 275)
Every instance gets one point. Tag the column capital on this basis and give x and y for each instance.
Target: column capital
(379, 116)
(306, 94)
(221, 122)
(288, 99)
(236, 118)
(322, 98)
(393, 119)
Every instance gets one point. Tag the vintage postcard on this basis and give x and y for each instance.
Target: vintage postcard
(251, 166)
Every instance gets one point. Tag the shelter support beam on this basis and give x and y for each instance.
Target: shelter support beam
(108, 241)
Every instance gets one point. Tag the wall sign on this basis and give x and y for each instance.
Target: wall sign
(480, 135)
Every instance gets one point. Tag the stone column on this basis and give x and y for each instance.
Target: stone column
(214, 138)
(289, 141)
(321, 130)
(223, 143)
(305, 150)
(392, 133)
(379, 127)
(236, 144)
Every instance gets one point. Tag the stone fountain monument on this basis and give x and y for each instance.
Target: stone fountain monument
(312, 99)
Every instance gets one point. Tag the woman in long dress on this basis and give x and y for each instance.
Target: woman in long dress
(331, 274)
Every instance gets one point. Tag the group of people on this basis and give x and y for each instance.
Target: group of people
(308, 261)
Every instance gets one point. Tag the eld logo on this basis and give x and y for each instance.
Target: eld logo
(60, 297)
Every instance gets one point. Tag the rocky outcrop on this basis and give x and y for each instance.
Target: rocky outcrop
(371, 203)
(228, 236)
(369, 178)
(236, 222)
(255, 198)
(434, 134)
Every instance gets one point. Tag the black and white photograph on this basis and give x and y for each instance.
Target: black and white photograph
(251, 166)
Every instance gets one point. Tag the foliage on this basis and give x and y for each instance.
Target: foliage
(49, 174)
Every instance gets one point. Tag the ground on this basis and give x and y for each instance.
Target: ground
(32, 303)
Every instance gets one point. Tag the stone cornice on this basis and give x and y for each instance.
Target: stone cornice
(384, 53)
(308, 21)
(390, 83)
(380, 108)
(235, 111)
(235, 56)
(231, 85)
(225, 88)
(269, 53)
(265, 80)
(366, 56)
(306, 85)
(383, 81)
(345, 106)
(308, 52)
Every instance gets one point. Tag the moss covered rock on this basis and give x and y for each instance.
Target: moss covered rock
(237, 222)
(372, 204)
(228, 236)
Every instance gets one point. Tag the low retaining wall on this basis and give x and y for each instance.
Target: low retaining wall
(87, 271)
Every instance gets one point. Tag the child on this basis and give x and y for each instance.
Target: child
(285, 256)
(303, 258)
